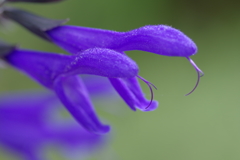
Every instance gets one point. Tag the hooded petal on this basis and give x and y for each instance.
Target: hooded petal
(102, 62)
(159, 39)
(46, 67)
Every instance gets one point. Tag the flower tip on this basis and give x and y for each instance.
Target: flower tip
(166, 40)
(152, 106)
(104, 129)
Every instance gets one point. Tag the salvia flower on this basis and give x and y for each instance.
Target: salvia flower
(59, 73)
(158, 39)
(31, 122)
(129, 89)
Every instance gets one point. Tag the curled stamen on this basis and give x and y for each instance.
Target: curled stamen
(150, 85)
(199, 74)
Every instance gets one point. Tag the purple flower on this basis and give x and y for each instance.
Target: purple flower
(158, 39)
(31, 121)
(60, 72)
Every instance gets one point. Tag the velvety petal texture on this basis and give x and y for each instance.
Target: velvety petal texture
(46, 67)
(101, 52)
(159, 39)
(74, 95)
(58, 73)
(30, 122)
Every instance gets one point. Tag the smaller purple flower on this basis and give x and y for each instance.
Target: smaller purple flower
(30, 122)
(59, 73)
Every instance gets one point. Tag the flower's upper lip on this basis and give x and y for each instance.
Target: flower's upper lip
(158, 39)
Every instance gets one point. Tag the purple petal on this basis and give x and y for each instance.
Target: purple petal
(129, 89)
(135, 88)
(124, 92)
(102, 62)
(75, 39)
(46, 67)
(98, 86)
(13, 111)
(21, 135)
(74, 96)
(43, 67)
(58, 72)
(159, 39)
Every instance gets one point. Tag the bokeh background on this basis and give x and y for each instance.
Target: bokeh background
(204, 125)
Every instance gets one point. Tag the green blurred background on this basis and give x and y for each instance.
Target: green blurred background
(202, 126)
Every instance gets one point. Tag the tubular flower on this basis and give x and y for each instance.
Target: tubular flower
(30, 122)
(158, 39)
(60, 72)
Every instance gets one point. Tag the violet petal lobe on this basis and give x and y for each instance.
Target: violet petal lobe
(102, 62)
(130, 91)
(73, 94)
(159, 39)
(135, 88)
(28, 135)
(45, 67)
(122, 89)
